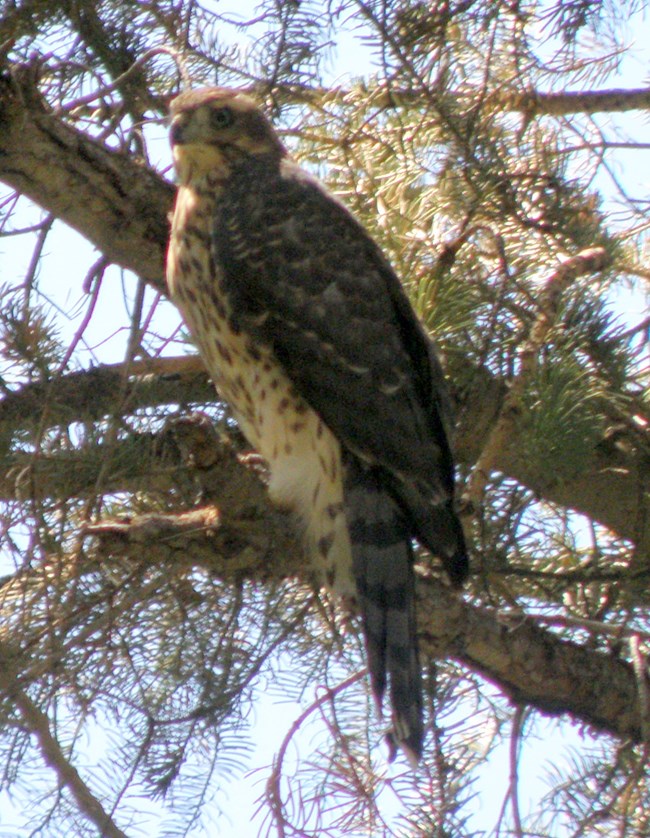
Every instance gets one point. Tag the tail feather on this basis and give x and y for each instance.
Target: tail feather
(383, 569)
(436, 526)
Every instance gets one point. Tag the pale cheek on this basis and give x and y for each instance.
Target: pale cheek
(193, 162)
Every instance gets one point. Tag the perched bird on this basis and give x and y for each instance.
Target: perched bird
(308, 334)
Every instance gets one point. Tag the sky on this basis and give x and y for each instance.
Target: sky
(68, 257)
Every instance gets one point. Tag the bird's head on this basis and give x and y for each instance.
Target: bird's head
(214, 128)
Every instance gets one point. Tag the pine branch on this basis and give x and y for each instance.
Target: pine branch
(90, 395)
(504, 431)
(608, 492)
(531, 664)
(131, 465)
(37, 722)
(254, 544)
(532, 103)
(249, 540)
(246, 538)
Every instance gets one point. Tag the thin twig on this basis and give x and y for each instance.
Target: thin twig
(273, 792)
(82, 101)
(93, 284)
(513, 790)
(68, 776)
(639, 664)
(590, 625)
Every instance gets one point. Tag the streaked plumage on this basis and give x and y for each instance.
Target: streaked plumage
(309, 336)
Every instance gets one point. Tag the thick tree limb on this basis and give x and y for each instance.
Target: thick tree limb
(529, 663)
(122, 206)
(90, 395)
(245, 537)
(532, 665)
(613, 491)
(255, 543)
(115, 202)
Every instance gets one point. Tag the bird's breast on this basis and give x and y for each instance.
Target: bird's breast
(303, 455)
(273, 416)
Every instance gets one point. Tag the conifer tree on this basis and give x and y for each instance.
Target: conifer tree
(151, 598)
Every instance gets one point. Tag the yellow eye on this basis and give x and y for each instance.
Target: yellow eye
(222, 117)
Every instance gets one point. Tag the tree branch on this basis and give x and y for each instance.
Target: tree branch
(612, 491)
(534, 103)
(114, 201)
(37, 722)
(500, 438)
(238, 534)
(531, 102)
(134, 464)
(529, 663)
(90, 395)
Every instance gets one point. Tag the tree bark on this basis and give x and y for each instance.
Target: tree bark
(532, 665)
(114, 201)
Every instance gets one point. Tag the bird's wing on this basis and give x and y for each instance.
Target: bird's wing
(304, 277)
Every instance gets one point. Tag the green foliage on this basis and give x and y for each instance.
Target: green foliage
(598, 338)
(29, 339)
(562, 420)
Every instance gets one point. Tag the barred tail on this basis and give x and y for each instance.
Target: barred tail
(383, 570)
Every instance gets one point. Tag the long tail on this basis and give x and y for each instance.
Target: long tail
(383, 569)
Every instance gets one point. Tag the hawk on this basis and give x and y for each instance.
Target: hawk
(309, 336)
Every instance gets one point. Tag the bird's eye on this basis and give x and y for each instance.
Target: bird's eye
(222, 117)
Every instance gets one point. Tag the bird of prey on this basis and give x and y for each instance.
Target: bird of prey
(309, 336)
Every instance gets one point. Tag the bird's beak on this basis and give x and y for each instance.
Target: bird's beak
(176, 133)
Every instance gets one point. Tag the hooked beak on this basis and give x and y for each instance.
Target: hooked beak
(176, 133)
